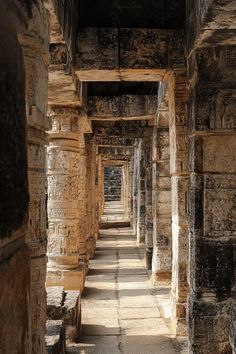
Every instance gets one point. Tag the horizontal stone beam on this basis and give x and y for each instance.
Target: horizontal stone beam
(214, 23)
(62, 90)
(109, 160)
(112, 54)
(114, 141)
(116, 146)
(115, 151)
(133, 107)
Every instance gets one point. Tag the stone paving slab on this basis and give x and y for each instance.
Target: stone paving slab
(119, 307)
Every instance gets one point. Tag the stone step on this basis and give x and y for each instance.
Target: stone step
(55, 337)
(65, 305)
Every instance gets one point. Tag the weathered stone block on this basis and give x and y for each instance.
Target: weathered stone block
(209, 327)
(179, 191)
(215, 267)
(163, 168)
(55, 299)
(219, 210)
(232, 335)
(69, 279)
(15, 303)
(97, 48)
(55, 337)
(72, 314)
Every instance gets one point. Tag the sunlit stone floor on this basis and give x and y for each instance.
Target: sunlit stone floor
(120, 309)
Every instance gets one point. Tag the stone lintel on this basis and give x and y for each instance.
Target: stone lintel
(62, 90)
(122, 107)
(211, 22)
(116, 50)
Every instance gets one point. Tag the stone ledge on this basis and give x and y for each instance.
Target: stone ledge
(65, 306)
(55, 337)
(55, 298)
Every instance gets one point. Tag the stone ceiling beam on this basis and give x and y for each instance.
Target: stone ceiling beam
(116, 146)
(106, 160)
(64, 90)
(112, 54)
(123, 107)
(115, 141)
(214, 23)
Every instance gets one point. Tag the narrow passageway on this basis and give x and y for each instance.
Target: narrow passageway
(120, 308)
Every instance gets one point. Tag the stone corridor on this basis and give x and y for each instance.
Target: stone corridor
(121, 310)
(117, 176)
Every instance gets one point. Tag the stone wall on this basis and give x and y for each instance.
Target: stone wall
(162, 234)
(211, 198)
(24, 37)
(112, 183)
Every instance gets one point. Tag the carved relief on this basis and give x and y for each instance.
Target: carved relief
(64, 188)
(62, 160)
(220, 206)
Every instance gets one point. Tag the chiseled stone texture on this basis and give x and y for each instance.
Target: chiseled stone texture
(212, 199)
(112, 181)
(66, 173)
(15, 335)
(35, 45)
(55, 337)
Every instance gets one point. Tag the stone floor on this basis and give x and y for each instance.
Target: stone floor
(121, 312)
(114, 212)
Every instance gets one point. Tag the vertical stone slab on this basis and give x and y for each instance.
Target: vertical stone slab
(66, 246)
(91, 197)
(141, 209)
(112, 183)
(212, 108)
(148, 203)
(15, 304)
(162, 238)
(135, 187)
(178, 97)
(35, 45)
(83, 227)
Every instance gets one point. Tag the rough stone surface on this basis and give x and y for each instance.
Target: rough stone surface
(147, 87)
(118, 290)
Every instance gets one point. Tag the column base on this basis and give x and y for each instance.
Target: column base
(160, 277)
(69, 279)
(178, 315)
(148, 258)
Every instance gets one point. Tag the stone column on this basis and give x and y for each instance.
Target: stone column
(91, 197)
(135, 187)
(162, 235)
(131, 201)
(148, 203)
(212, 107)
(35, 45)
(100, 186)
(66, 244)
(141, 210)
(126, 188)
(178, 96)
(15, 262)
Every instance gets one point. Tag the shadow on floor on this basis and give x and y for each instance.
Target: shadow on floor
(130, 344)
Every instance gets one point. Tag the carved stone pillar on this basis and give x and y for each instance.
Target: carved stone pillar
(148, 203)
(212, 206)
(126, 183)
(66, 243)
(100, 186)
(141, 210)
(36, 54)
(178, 96)
(135, 188)
(162, 235)
(91, 197)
